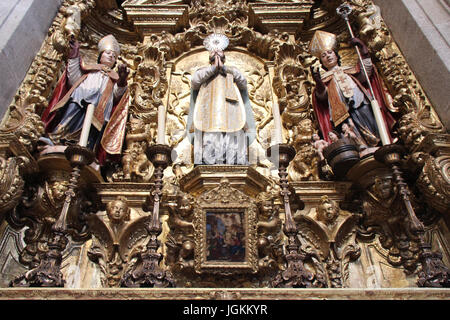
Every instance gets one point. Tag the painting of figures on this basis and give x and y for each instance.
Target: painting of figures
(225, 237)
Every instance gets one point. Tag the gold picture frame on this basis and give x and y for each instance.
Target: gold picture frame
(225, 232)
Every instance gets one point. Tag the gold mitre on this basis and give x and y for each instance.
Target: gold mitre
(109, 43)
(321, 42)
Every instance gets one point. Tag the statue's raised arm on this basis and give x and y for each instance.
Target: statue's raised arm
(82, 85)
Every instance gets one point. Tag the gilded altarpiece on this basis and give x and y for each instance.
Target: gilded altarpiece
(146, 221)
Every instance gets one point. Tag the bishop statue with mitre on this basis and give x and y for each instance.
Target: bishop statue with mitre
(82, 85)
(341, 95)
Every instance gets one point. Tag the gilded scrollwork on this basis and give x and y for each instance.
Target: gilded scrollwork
(38, 210)
(25, 125)
(12, 184)
(135, 165)
(150, 81)
(207, 9)
(293, 88)
(304, 166)
(291, 83)
(383, 211)
(434, 181)
(15, 163)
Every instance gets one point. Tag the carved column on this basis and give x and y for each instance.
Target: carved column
(147, 272)
(434, 273)
(48, 273)
(295, 275)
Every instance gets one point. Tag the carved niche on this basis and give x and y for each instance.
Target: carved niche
(179, 98)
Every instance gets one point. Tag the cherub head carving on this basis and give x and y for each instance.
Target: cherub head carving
(384, 188)
(137, 124)
(328, 210)
(266, 205)
(58, 189)
(118, 210)
(184, 205)
(57, 184)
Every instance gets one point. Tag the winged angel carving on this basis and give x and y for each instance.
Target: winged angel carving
(116, 240)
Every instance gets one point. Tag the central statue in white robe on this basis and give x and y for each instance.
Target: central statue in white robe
(220, 115)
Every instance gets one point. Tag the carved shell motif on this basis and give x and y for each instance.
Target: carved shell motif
(224, 194)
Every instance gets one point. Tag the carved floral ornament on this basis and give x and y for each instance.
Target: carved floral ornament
(253, 241)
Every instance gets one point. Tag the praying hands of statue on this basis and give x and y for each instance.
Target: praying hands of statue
(123, 75)
(218, 62)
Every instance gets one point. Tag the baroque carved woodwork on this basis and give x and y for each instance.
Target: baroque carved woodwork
(148, 223)
(116, 239)
(330, 237)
